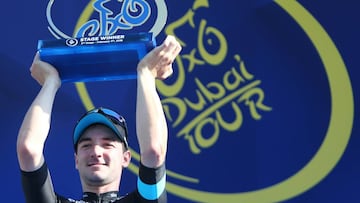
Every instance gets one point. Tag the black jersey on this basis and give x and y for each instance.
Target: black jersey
(38, 188)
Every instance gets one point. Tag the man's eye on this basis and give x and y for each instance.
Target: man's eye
(84, 146)
(109, 145)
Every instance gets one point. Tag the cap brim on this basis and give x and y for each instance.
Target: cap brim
(90, 119)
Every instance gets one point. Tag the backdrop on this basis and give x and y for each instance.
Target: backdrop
(262, 107)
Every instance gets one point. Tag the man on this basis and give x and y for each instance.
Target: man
(100, 138)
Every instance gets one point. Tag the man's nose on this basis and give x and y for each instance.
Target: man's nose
(96, 150)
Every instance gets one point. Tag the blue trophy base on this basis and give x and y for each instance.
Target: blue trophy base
(99, 58)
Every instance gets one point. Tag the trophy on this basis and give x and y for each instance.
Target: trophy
(98, 58)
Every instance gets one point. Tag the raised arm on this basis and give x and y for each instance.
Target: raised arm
(36, 124)
(151, 124)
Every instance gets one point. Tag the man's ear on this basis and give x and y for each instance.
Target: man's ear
(126, 158)
(76, 161)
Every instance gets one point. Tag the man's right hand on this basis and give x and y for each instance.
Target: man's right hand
(44, 72)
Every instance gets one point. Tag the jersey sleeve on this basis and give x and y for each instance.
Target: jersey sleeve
(151, 184)
(37, 186)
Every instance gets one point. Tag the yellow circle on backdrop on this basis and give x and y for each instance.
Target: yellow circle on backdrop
(335, 141)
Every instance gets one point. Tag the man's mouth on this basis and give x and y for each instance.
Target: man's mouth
(96, 164)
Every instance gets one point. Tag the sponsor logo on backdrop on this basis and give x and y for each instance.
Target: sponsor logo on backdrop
(235, 88)
(198, 117)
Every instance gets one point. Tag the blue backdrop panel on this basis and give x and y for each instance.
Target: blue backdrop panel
(262, 106)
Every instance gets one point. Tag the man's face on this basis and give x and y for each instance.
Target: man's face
(100, 157)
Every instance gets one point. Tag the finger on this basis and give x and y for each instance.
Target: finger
(165, 72)
(154, 56)
(37, 57)
(171, 55)
(173, 50)
(177, 49)
(169, 45)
